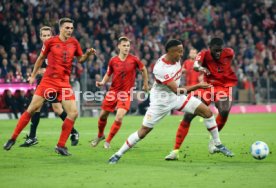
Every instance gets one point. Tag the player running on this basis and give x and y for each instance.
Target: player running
(123, 68)
(164, 98)
(46, 33)
(215, 63)
(61, 50)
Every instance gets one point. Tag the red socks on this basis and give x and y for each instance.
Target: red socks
(101, 126)
(113, 131)
(66, 130)
(221, 121)
(181, 133)
(21, 124)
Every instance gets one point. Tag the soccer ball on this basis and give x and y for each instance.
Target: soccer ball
(259, 150)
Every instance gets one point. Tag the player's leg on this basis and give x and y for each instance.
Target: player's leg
(181, 134)
(123, 105)
(101, 126)
(224, 106)
(153, 115)
(35, 104)
(211, 125)
(31, 138)
(57, 108)
(72, 113)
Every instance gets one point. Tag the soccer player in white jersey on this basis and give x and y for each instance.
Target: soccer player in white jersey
(166, 95)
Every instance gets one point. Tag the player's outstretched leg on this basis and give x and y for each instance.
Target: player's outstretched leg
(132, 140)
(210, 123)
(35, 104)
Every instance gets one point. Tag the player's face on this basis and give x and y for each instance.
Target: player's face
(216, 51)
(67, 29)
(46, 34)
(176, 53)
(124, 47)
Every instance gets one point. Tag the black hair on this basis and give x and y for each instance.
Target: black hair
(64, 20)
(216, 41)
(172, 43)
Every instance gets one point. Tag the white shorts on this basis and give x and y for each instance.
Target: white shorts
(160, 108)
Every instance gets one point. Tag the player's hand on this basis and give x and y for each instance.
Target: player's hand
(204, 70)
(31, 80)
(91, 51)
(204, 85)
(99, 84)
(146, 87)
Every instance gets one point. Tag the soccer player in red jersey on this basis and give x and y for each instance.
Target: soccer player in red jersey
(123, 70)
(191, 76)
(215, 63)
(46, 33)
(60, 50)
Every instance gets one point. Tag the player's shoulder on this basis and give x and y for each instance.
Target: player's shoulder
(51, 39)
(131, 56)
(228, 51)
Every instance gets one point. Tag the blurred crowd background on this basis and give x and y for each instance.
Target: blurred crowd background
(247, 26)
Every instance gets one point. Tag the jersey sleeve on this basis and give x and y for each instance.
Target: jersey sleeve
(78, 51)
(200, 56)
(140, 65)
(45, 48)
(230, 52)
(110, 69)
(161, 76)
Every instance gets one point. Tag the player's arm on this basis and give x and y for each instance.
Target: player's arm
(198, 63)
(104, 80)
(186, 89)
(145, 79)
(37, 66)
(85, 56)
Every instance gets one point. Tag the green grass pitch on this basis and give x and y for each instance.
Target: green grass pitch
(144, 166)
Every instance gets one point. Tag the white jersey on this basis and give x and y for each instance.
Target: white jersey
(164, 72)
(162, 98)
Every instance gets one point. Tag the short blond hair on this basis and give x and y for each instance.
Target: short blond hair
(123, 38)
(45, 28)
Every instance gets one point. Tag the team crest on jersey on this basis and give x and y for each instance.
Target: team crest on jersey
(167, 76)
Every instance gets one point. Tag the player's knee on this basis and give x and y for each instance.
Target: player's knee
(73, 114)
(207, 113)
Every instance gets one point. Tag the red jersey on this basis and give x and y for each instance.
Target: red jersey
(191, 76)
(221, 71)
(60, 56)
(124, 72)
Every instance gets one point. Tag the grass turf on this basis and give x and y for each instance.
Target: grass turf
(143, 166)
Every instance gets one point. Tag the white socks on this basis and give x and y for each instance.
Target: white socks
(213, 129)
(130, 142)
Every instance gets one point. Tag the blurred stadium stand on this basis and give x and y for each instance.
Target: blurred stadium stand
(247, 26)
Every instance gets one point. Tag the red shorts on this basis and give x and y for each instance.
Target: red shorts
(52, 92)
(213, 94)
(114, 101)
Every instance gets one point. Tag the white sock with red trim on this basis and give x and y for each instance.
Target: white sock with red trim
(130, 142)
(213, 129)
